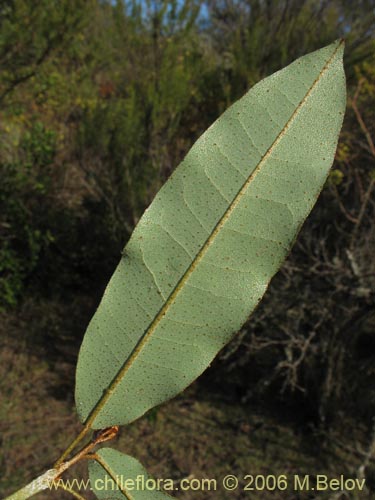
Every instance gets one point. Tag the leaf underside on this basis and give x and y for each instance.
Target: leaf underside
(203, 253)
(117, 476)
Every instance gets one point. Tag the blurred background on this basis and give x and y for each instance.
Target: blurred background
(99, 102)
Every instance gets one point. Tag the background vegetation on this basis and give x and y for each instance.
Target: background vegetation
(99, 101)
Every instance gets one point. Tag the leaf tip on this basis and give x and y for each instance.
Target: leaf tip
(341, 42)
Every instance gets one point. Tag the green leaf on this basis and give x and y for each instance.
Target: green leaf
(119, 477)
(203, 253)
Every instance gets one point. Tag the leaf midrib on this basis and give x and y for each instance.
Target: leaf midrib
(114, 476)
(201, 253)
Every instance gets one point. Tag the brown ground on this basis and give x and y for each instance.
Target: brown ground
(196, 435)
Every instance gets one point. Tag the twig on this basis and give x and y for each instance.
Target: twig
(71, 491)
(370, 142)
